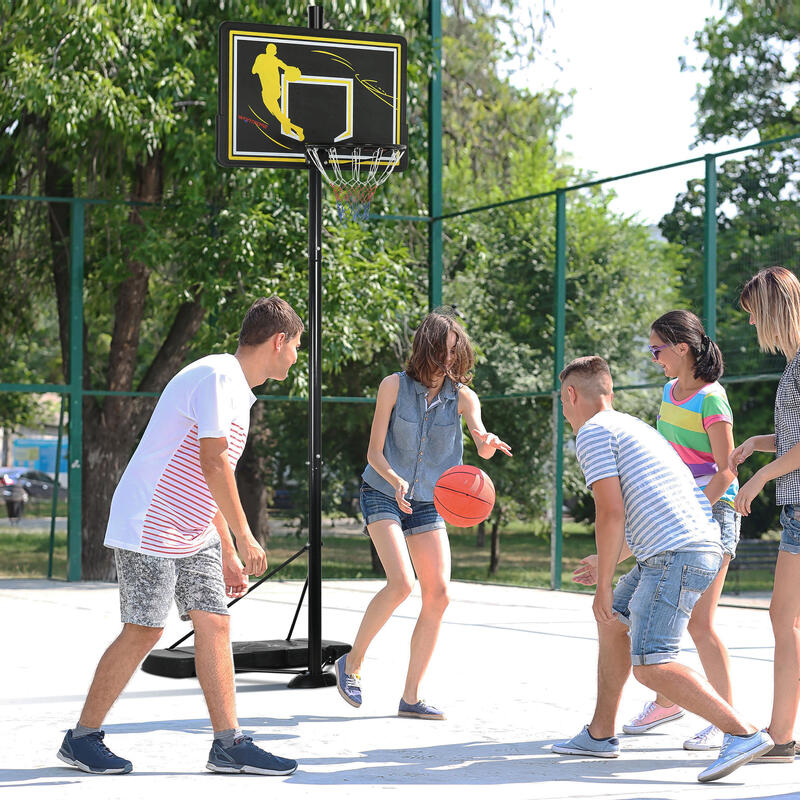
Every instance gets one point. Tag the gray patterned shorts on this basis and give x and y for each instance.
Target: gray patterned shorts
(147, 585)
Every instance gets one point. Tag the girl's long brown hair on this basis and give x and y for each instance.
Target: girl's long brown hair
(429, 351)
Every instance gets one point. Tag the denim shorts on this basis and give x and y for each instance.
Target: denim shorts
(790, 522)
(730, 523)
(376, 506)
(655, 599)
(148, 584)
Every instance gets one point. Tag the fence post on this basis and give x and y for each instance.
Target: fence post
(558, 364)
(56, 473)
(74, 515)
(710, 249)
(435, 157)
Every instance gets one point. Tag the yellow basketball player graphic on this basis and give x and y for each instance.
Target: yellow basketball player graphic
(267, 66)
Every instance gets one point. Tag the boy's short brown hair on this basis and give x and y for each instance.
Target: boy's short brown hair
(591, 373)
(266, 317)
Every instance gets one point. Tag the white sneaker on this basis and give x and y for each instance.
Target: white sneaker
(709, 738)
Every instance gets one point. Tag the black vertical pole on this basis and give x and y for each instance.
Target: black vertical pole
(315, 676)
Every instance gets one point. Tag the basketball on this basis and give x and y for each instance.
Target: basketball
(293, 74)
(464, 496)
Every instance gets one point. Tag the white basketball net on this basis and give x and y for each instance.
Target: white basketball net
(354, 174)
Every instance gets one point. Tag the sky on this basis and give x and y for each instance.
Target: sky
(633, 107)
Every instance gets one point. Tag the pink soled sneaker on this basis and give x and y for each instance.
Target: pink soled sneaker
(652, 716)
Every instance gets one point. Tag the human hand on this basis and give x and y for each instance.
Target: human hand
(741, 454)
(234, 576)
(492, 440)
(586, 572)
(748, 493)
(252, 553)
(400, 492)
(603, 604)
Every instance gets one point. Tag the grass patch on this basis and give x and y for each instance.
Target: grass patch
(524, 558)
(25, 555)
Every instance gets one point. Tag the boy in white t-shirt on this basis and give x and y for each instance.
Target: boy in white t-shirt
(169, 525)
(649, 506)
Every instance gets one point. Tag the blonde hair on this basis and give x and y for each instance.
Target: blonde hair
(772, 297)
(590, 373)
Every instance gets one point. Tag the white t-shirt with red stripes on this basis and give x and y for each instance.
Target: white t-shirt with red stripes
(162, 505)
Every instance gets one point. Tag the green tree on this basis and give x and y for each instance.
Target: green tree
(501, 262)
(752, 66)
(92, 106)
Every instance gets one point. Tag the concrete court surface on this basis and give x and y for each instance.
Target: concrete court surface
(514, 670)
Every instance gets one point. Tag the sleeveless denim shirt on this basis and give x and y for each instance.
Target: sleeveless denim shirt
(420, 444)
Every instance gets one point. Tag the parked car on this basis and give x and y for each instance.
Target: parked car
(39, 485)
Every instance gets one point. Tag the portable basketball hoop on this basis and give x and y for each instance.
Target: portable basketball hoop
(281, 87)
(354, 172)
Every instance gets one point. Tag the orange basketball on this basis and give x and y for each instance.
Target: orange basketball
(464, 496)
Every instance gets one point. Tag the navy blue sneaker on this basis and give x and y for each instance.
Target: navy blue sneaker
(245, 756)
(348, 684)
(420, 710)
(90, 754)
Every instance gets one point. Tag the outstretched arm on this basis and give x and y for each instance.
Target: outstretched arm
(470, 407)
(586, 571)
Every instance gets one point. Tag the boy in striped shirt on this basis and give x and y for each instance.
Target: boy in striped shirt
(169, 525)
(649, 506)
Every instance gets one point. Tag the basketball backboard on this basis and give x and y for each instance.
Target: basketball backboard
(282, 87)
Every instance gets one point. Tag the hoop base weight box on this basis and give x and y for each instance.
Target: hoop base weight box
(269, 655)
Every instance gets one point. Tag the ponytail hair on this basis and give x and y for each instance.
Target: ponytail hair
(683, 326)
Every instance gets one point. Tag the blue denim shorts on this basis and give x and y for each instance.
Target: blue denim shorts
(790, 536)
(376, 506)
(730, 523)
(655, 599)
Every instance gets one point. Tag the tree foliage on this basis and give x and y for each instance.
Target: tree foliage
(94, 107)
(752, 66)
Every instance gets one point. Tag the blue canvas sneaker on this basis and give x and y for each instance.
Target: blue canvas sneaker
(735, 752)
(584, 744)
(245, 756)
(90, 754)
(349, 685)
(420, 710)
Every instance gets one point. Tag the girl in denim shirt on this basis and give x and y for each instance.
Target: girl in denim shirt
(416, 436)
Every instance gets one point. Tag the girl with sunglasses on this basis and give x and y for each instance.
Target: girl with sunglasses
(695, 417)
(772, 298)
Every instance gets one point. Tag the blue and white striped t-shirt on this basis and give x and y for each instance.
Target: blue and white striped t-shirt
(664, 507)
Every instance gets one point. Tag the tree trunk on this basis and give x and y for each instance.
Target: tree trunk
(108, 443)
(111, 429)
(253, 477)
(58, 183)
(494, 560)
(480, 540)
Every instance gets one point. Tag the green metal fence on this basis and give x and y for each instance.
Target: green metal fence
(75, 390)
